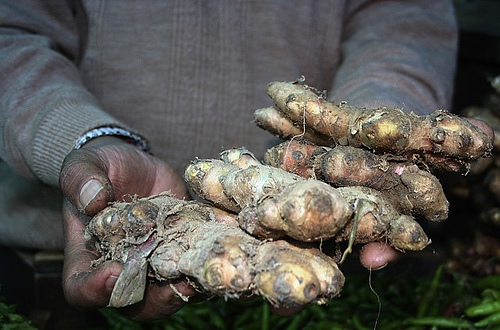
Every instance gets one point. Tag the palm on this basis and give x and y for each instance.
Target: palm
(123, 171)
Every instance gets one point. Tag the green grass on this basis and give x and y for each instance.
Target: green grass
(368, 301)
(11, 320)
(381, 300)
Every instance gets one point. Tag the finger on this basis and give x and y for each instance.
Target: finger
(161, 299)
(84, 181)
(377, 255)
(483, 126)
(90, 289)
(84, 286)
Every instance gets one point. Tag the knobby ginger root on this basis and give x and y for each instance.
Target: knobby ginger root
(272, 203)
(166, 238)
(272, 120)
(442, 139)
(410, 189)
(270, 192)
(219, 247)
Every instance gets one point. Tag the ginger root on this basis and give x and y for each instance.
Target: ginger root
(238, 243)
(443, 140)
(410, 189)
(165, 238)
(273, 203)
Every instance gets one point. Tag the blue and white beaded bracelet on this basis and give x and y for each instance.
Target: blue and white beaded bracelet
(130, 137)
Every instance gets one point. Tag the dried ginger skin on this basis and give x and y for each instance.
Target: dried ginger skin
(295, 101)
(118, 223)
(275, 203)
(407, 234)
(374, 221)
(203, 177)
(331, 279)
(219, 258)
(273, 121)
(426, 194)
(298, 156)
(380, 221)
(239, 157)
(385, 130)
(249, 220)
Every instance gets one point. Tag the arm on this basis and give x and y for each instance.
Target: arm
(44, 105)
(45, 108)
(398, 53)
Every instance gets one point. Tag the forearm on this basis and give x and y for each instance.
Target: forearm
(44, 106)
(398, 54)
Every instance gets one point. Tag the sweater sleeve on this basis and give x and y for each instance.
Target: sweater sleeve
(398, 53)
(44, 107)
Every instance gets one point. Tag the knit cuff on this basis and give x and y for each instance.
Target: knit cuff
(58, 133)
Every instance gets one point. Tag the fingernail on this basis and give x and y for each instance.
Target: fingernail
(379, 267)
(110, 282)
(89, 192)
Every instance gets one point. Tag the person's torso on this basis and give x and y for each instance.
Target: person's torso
(189, 74)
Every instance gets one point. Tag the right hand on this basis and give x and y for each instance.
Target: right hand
(104, 170)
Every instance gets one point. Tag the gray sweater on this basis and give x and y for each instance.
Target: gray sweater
(188, 75)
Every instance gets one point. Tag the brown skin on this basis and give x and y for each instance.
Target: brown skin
(177, 237)
(273, 121)
(102, 160)
(306, 210)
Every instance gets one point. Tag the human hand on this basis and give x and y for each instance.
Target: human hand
(104, 170)
(107, 168)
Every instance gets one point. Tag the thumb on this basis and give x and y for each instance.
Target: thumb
(84, 181)
(483, 126)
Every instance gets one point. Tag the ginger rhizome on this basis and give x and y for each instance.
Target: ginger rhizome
(441, 139)
(273, 203)
(410, 189)
(165, 238)
(343, 175)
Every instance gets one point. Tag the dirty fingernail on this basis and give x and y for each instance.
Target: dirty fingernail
(89, 192)
(110, 282)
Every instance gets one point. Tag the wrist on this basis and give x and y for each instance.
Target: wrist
(111, 134)
(103, 140)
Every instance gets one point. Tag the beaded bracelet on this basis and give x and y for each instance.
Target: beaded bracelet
(130, 137)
